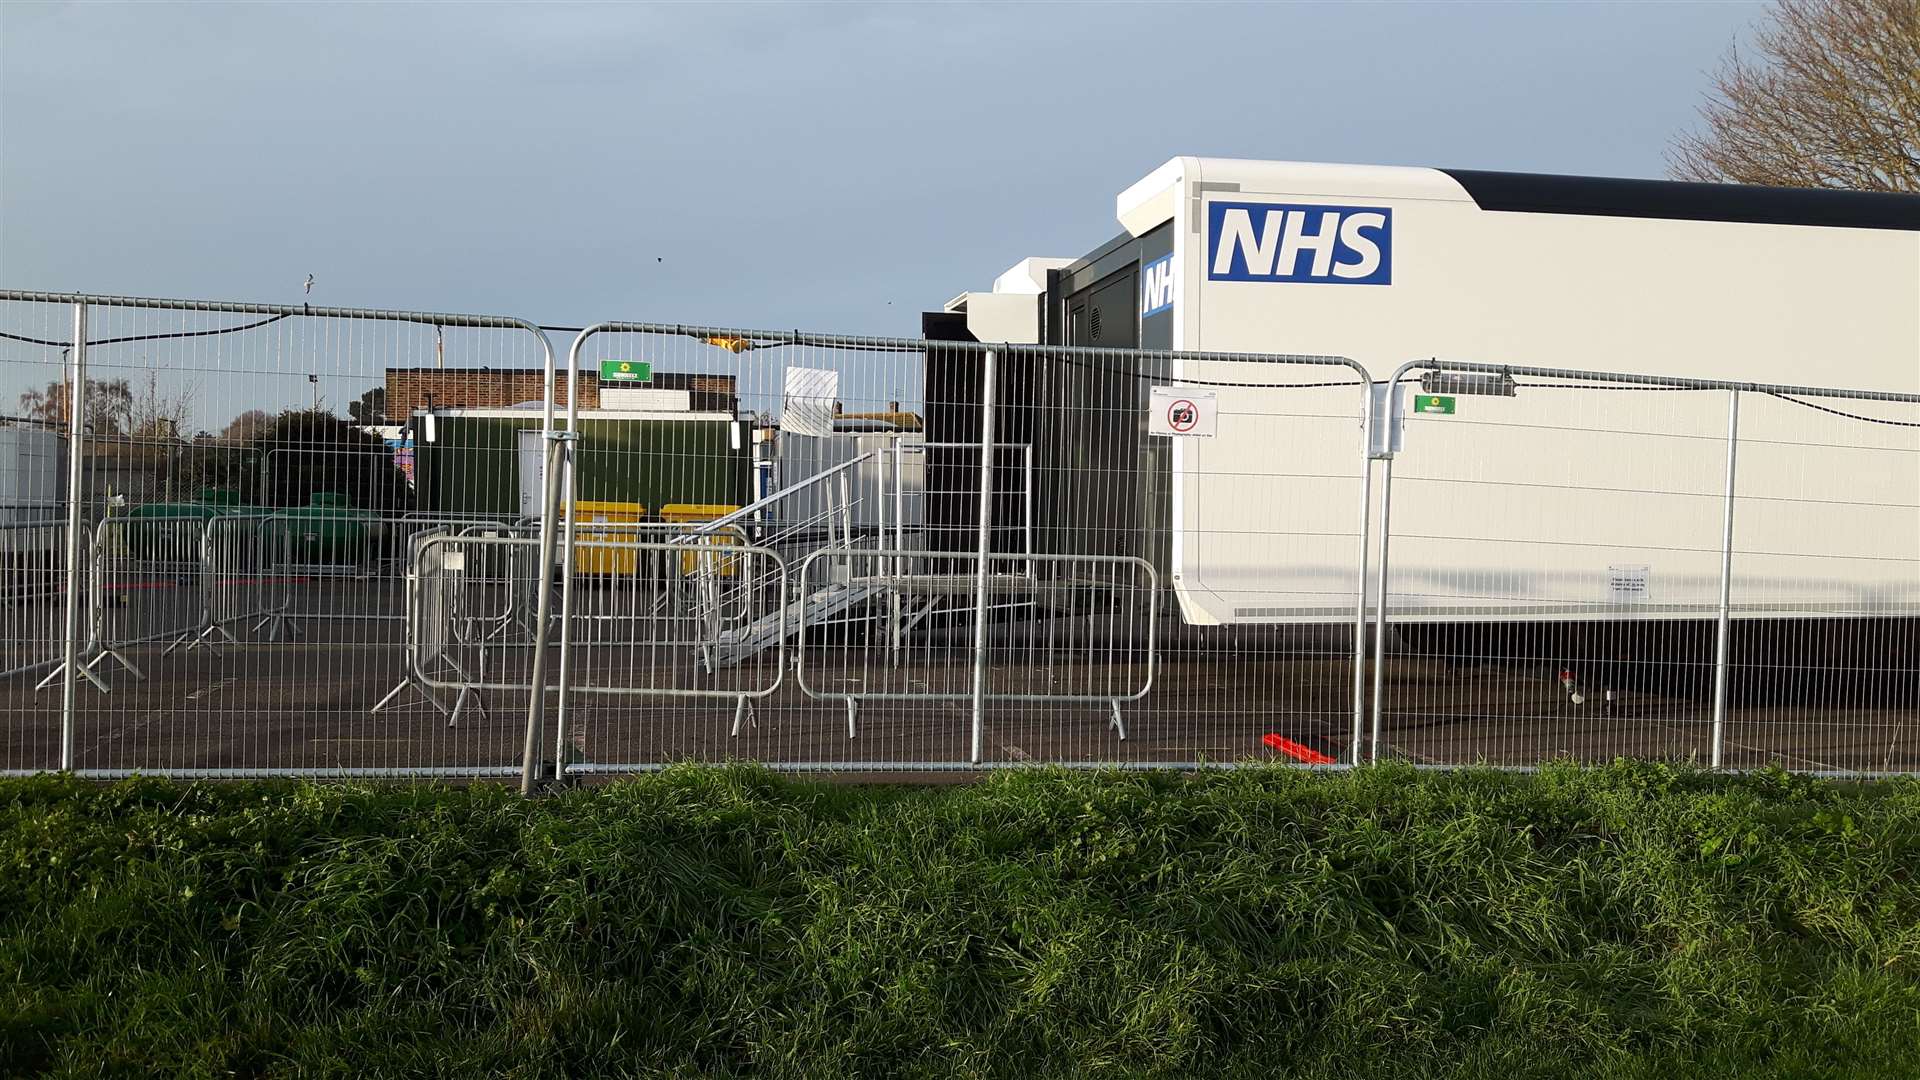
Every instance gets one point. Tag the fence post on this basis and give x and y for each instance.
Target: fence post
(76, 480)
(569, 542)
(1724, 627)
(1367, 436)
(987, 393)
(1380, 619)
(1026, 508)
(543, 607)
(899, 543)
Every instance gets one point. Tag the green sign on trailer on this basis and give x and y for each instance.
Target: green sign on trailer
(626, 371)
(1430, 403)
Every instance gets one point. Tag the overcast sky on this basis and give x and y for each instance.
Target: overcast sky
(832, 167)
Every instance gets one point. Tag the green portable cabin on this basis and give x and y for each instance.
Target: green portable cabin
(327, 530)
(470, 462)
(171, 531)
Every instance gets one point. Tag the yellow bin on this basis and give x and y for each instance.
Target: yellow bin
(606, 560)
(690, 513)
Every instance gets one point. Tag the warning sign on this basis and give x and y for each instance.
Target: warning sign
(1178, 410)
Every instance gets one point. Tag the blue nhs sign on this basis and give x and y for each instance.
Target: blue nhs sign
(1156, 286)
(1330, 245)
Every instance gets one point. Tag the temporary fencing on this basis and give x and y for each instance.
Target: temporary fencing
(1595, 565)
(872, 555)
(948, 613)
(234, 502)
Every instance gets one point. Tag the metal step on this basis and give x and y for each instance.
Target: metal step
(740, 645)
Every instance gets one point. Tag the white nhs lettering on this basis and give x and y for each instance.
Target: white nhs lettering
(1329, 244)
(1156, 286)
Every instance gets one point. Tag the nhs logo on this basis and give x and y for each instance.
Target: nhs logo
(1332, 245)
(1156, 286)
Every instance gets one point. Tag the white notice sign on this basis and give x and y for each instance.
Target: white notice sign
(1628, 584)
(1178, 410)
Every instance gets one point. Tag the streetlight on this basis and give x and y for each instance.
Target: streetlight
(315, 380)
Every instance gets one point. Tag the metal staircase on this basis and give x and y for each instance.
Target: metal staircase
(831, 510)
(739, 644)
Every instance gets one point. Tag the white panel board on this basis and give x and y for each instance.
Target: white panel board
(533, 474)
(809, 401)
(646, 399)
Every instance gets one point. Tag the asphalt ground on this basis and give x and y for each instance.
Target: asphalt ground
(295, 693)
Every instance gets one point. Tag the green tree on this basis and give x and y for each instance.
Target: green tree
(306, 452)
(369, 408)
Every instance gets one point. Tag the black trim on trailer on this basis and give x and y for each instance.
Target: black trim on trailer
(945, 326)
(1092, 258)
(1544, 193)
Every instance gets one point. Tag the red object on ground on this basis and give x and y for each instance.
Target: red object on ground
(1296, 751)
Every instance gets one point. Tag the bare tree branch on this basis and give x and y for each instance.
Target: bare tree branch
(1831, 100)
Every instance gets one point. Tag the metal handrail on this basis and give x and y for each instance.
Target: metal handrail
(760, 505)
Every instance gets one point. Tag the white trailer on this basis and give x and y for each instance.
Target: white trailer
(33, 474)
(33, 508)
(1552, 504)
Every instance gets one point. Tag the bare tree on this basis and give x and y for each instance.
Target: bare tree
(1832, 101)
(109, 405)
(157, 412)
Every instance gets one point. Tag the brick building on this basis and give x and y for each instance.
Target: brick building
(412, 389)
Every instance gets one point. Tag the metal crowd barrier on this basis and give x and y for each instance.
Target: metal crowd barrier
(35, 573)
(469, 596)
(871, 587)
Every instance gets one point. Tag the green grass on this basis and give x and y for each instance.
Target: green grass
(1634, 921)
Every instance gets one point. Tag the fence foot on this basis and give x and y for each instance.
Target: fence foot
(743, 710)
(409, 682)
(853, 713)
(120, 658)
(1117, 723)
(278, 625)
(85, 669)
(459, 703)
(391, 694)
(206, 637)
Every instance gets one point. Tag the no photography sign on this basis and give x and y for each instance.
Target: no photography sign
(1177, 410)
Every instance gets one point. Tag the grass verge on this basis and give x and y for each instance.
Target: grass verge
(1631, 921)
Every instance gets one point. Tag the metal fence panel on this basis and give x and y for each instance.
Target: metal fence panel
(885, 500)
(1823, 670)
(1591, 565)
(244, 493)
(273, 541)
(33, 588)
